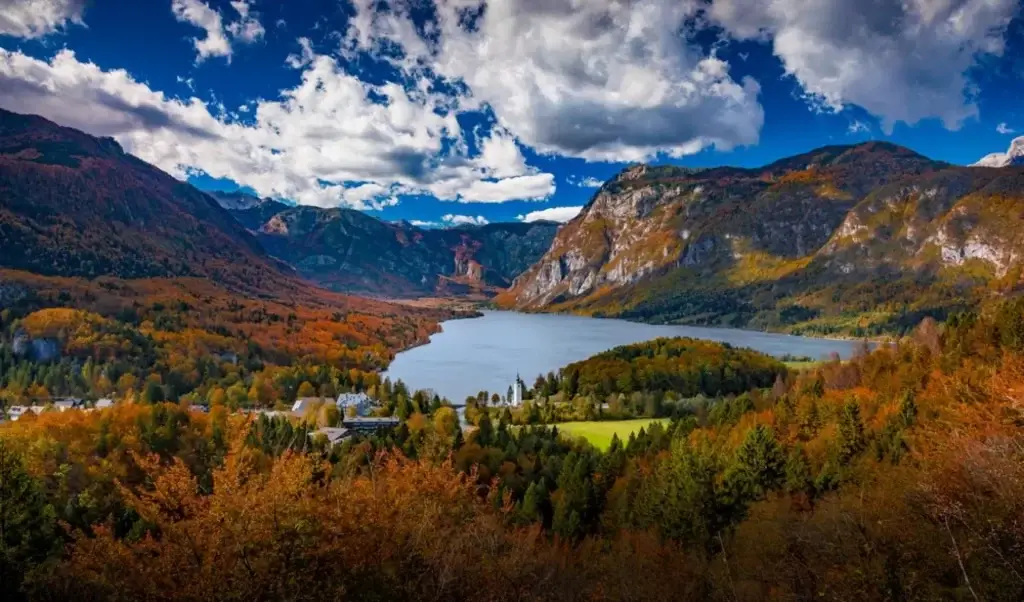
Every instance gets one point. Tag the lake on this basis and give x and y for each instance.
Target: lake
(485, 354)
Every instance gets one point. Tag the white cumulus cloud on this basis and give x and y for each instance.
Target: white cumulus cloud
(587, 182)
(858, 127)
(248, 27)
(465, 220)
(552, 214)
(532, 187)
(901, 60)
(604, 80)
(1002, 128)
(217, 42)
(330, 140)
(38, 18)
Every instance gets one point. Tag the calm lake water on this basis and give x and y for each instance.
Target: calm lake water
(485, 354)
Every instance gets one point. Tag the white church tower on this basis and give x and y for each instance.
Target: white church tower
(517, 392)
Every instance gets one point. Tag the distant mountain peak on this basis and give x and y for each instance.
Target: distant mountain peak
(236, 200)
(1013, 156)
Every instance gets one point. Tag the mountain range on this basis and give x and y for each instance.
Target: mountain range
(860, 239)
(348, 250)
(75, 205)
(852, 240)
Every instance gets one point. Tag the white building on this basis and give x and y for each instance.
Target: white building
(71, 403)
(302, 405)
(517, 392)
(333, 435)
(16, 412)
(360, 401)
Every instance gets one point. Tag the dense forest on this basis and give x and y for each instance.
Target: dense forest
(189, 339)
(896, 475)
(659, 378)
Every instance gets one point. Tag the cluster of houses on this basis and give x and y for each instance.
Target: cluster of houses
(356, 410)
(61, 404)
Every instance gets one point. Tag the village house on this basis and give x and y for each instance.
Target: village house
(265, 412)
(70, 403)
(302, 405)
(16, 412)
(361, 402)
(334, 435)
(369, 424)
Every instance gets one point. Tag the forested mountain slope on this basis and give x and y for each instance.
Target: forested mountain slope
(75, 205)
(117, 279)
(350, 251)
(859, 240)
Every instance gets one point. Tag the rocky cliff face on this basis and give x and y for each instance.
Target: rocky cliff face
(814, 236)
(349, 250)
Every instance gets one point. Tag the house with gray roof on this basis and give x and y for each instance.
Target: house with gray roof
(69, 403)
(362, 403)
(16, 412)
(369, 424)
(334, 435)
(302, 405)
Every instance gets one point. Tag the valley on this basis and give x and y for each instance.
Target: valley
(175, 365)
(349, 251)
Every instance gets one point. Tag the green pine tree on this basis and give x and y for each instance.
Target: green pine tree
(851, 433)
(28, 526)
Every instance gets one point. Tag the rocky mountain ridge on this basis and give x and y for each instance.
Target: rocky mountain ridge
(350, 251)
(844, 239)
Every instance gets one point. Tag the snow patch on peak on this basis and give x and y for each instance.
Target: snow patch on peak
(1013, 156)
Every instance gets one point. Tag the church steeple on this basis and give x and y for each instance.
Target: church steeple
(517, 391)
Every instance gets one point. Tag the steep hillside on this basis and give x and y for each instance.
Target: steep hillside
(856, 240)
(110, 254)
(348, 250)
(75, 205)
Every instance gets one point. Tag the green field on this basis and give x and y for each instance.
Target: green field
(599, 433)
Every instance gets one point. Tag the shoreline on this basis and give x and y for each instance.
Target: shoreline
(423, 370)
(829, 337)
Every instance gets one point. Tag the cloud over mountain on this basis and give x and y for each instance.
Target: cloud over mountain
(479, 101)
(332, 139)
(552, 214)
(901, 60)
(602, 80)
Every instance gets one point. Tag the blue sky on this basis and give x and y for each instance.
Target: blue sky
(496, 110)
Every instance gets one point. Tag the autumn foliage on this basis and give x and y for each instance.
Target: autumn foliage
(896, 475)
